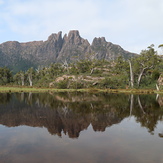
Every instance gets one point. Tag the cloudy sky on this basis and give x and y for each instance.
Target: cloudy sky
(133, 24)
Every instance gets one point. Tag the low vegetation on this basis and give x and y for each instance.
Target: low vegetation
(139, 72)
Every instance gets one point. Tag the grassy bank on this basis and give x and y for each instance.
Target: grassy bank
(39, 90)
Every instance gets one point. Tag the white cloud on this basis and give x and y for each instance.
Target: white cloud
(50, 16)
(132, 24)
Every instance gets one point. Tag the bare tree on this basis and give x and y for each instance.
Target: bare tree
(131, 75)
(65, 65)
(22, 77)
(131, 103)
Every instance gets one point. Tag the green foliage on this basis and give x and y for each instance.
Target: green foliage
(83, 66)
(146, 69)
(121, 66)
(20, 78)
(21, 64)
(62, 84)
(114, 82)
(160, 46)
(77, 85)
(5, 76)
(147, 61)
(43, 82)
(155, 74)
(74, 69)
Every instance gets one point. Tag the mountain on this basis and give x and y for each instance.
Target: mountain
(20, 56)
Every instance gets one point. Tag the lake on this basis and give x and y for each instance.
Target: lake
(81, 128)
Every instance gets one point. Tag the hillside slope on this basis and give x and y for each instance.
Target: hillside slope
(20, 56)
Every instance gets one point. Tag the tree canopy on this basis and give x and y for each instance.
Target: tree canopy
(140, 71)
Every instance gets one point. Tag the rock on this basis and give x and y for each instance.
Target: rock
(59, 79)
(56, 48)
(64, 77)
(51, 84)
(160, 80)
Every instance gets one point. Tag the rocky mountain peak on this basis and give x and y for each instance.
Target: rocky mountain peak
(55, 37)
(99, 41)
(74, 37)
(71, 47)
(73, 34)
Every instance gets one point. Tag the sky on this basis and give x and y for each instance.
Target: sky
(132, 24)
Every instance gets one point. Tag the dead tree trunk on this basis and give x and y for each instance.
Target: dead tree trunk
(131, 75)
(30, 79)
(131, 104)
(22, 78)
(157, 87)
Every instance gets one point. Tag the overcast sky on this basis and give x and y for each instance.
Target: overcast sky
(132, 24)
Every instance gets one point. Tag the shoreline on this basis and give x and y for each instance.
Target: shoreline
(10, 89)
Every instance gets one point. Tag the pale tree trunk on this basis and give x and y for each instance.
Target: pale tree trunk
(30, 79)
(22, 79)
(22, 96)
(157, 96)
(157, 87)
(140, 105)
(38, 102)
(131, 75)
(131, 104)
(30, 97)
(140, 75)
(66, 66)
(91, 71)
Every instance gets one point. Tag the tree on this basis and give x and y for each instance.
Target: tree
(160, 46)
(20, 78)
(148, 59)
(5, 76)
(131, 75)
(121, 66)
(65, 66)
(121, 72)
(30, 74)
(83, 66)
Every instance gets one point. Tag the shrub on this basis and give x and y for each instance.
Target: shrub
(63, 84)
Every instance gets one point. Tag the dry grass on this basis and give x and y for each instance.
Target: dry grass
(92, 90)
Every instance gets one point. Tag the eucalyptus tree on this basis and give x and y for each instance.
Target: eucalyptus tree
(137, 67)
(148, 59)
(131, 74)
(121, 71)
(141, 65)
(30, 74)
(5, 75)
(19, 78)
(56, 69)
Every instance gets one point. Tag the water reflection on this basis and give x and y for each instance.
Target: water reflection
(70, 113)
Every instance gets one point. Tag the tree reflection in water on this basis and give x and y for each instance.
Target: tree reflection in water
(70, 113)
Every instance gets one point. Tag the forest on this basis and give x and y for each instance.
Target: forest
(141, 71)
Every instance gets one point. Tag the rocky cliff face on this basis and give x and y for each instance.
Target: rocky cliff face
(106, 50)
(57, 49)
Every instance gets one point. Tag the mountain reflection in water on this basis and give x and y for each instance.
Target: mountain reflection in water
(71, 113)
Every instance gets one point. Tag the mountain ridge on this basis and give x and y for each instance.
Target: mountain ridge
(70, 47)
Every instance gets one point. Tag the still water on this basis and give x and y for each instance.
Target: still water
(81, 128)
